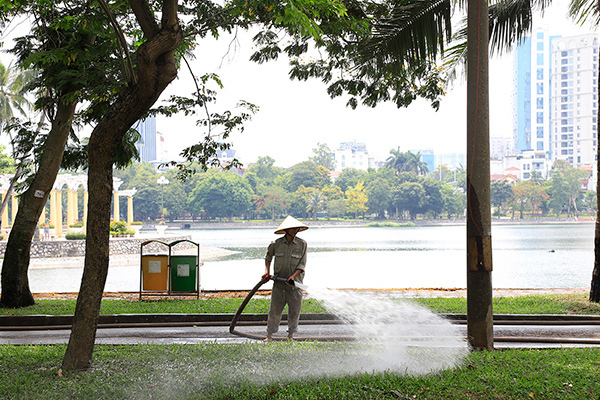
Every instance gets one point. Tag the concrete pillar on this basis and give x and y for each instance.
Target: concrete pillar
(129, 211)
(41, 221)
(480, 329)
(75, 207)
(53, 215)
(70, 214)
(4, 223)
(116, 206)
(15, 207)
(59, 217)
(85, 209)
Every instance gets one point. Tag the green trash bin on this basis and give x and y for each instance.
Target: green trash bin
(184, 270)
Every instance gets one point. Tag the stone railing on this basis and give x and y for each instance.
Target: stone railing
(76, 248)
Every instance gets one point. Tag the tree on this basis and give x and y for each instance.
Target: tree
(13, 88)
(323, 156)
(501, 192)
(316, 201)
(410, 197)
(271, 199)
(307, 174)
(454, 203)
(63, 43)
(435, 201)
(222, 196)
(356, 198)
(349, 177)
(336, 207)
(380, 197)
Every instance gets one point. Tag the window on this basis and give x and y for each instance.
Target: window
(540, 118)
(540, 73)
(540, 103)
(540, 132)
(540, 145)
(540, 59)
(540, 46)
(540, 88)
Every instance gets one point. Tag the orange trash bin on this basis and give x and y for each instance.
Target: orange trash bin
(155, 272)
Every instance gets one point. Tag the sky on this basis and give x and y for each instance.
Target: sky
(295, 117)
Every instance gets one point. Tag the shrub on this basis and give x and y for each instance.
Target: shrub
(75, 236)
(118, 227)
(78, 224)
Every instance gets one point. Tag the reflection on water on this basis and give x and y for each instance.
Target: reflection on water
(358, 257)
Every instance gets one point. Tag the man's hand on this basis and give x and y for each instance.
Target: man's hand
(266, 276)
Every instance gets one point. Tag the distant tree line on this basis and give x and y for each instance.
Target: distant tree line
(403, 189)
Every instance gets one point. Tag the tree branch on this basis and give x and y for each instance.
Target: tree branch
(121, 44)
(144, 16)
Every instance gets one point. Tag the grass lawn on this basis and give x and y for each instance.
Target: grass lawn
(288, 371)
(538, 304)
(294, 370)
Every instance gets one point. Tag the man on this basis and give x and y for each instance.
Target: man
(290, 260)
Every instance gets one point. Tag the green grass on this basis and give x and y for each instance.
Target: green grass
(259, 371)
(538, 304)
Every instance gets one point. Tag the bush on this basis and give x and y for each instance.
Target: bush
(118, 227)
(137, 223)
(75, 236)
(78, 224)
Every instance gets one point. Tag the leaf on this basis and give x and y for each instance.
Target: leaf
(59, 373)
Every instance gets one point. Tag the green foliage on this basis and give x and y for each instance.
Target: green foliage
(75, 236)
(222, 195)
(118, 227)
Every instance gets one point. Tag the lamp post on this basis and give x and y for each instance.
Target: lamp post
(162, 181)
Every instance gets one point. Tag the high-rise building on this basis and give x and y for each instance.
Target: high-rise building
(146, 146)
(574, 78)
(531, 92)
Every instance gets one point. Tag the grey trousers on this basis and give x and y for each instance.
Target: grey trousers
(283, 294)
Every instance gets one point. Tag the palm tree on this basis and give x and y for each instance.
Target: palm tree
(315, 202)
(396, 160)
(13, 84)
(415, 164)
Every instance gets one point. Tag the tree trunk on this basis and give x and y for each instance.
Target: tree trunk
(480, 331)
(15, 283)
(156, 69)
(595, 286)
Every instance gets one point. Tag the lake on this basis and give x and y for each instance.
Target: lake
(524, 256)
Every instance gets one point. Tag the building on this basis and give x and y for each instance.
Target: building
(532, 64)
(522, 165)
(146, 146)
(428, 157)
(500, 147)
(351, 155)
(574, 92)
(451, 160)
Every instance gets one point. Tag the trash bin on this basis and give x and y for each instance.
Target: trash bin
(184, 272)
(155, 272)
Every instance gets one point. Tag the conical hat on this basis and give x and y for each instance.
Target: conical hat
(290, 222)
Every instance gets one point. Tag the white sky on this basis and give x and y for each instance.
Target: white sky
(295, 116)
